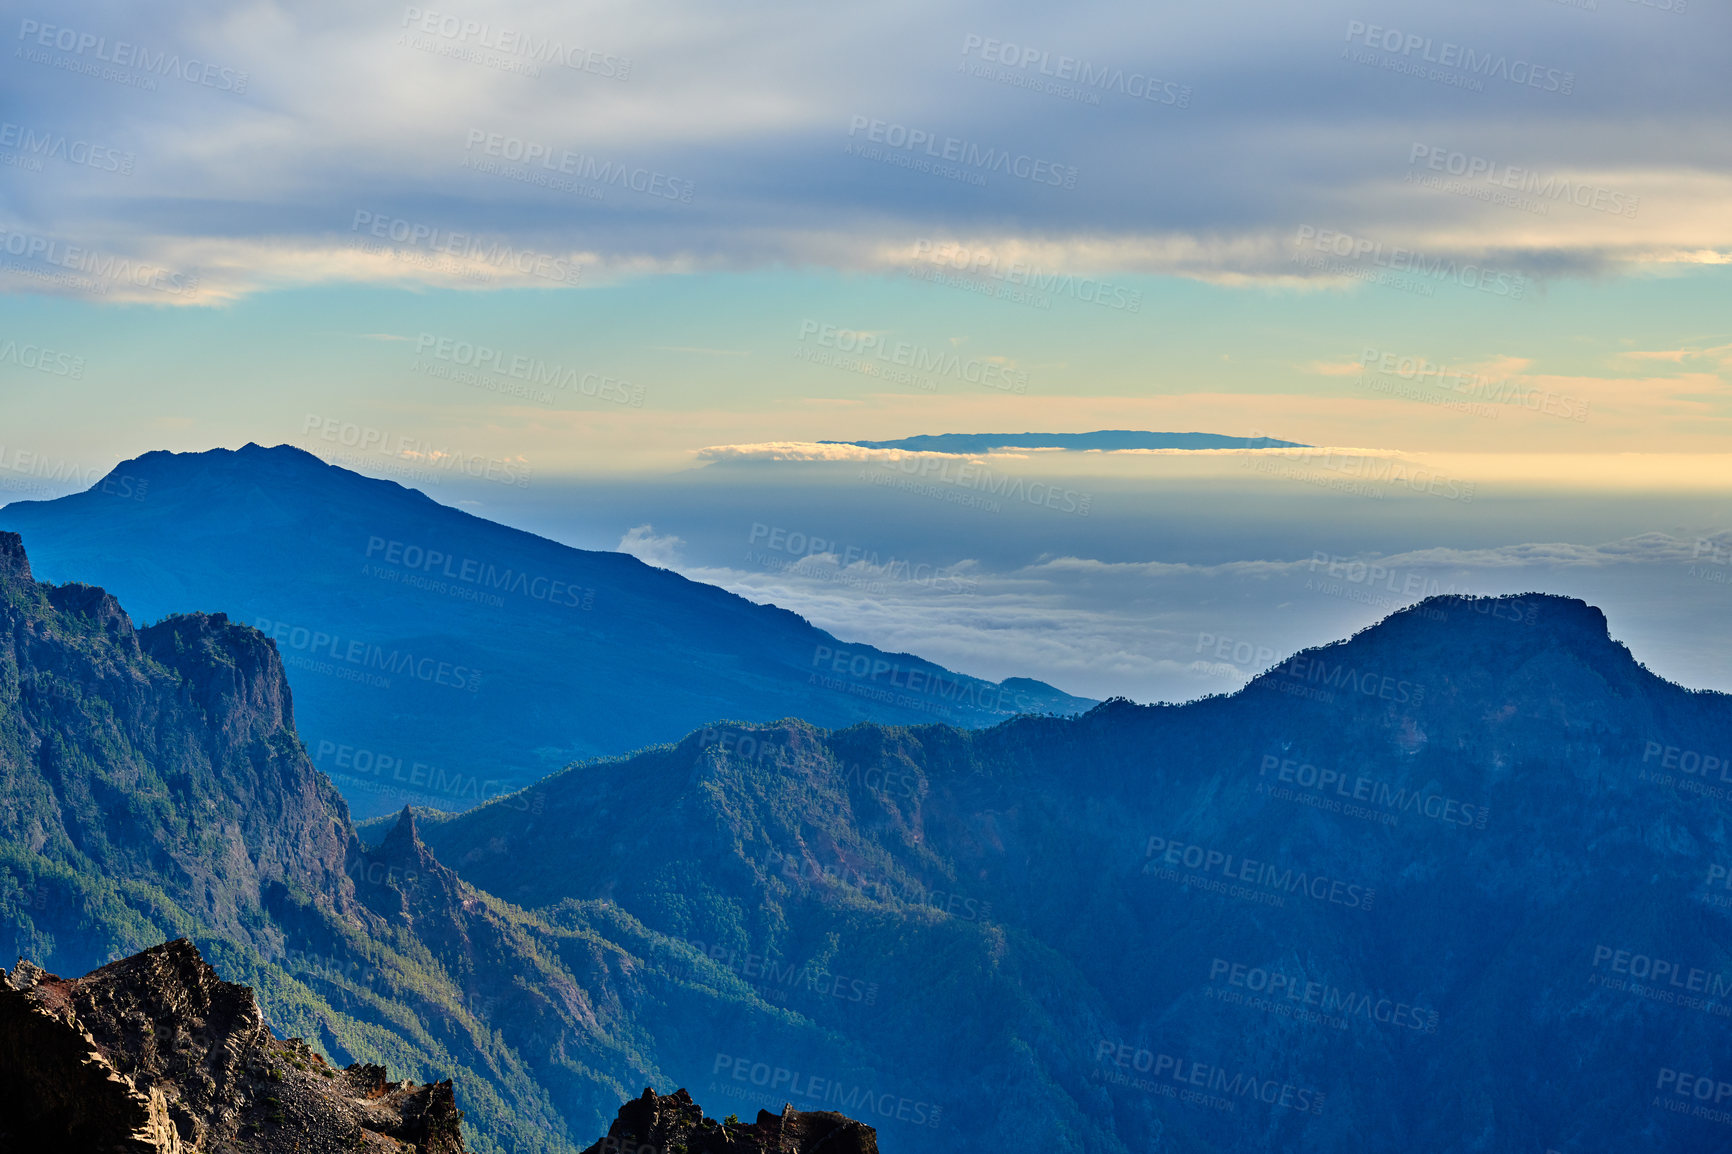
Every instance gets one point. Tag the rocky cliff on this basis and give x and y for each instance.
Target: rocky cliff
(153, 787)
(664, 1122)
(156, 1054)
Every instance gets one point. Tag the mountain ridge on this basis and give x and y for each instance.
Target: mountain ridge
(1465, 795)
(400, 618)
(153, 790)
(1478, 815)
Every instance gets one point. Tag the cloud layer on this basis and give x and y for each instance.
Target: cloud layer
(198, 151)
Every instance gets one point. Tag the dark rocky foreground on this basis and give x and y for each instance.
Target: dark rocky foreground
(658, 1123)
(155, 1054)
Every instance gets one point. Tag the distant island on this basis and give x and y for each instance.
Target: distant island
(1105, 440)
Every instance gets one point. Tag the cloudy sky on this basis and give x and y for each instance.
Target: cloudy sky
(1478, 253)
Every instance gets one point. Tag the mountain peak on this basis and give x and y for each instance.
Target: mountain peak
(676, 1122)
(456, 643)
(1463, 648)
(403, 837)
(1528, 619)
(14, 565)
(156, 1053)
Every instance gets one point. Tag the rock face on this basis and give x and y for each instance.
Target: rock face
(152, 787)
(657, 1123)
(155, 1054)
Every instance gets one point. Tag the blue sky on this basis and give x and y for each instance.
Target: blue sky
(599, 246)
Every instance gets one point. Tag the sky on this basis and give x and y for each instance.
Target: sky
(610, 270)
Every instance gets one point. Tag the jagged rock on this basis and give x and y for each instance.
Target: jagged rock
(155, 1054)
(658, 1123)
(14, 565)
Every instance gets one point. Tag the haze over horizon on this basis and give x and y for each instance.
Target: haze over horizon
(1155, 601)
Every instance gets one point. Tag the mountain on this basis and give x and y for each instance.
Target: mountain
(152, 787)
(1458, 883)
(1108, 440)
(155, 1054)
(675, 1122)
(446, 659)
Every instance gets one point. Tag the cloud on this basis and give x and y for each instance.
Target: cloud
(1173, 631)
(642, 542)
(1722, 354)
(818, 452)
(787, 451)
(696, 138)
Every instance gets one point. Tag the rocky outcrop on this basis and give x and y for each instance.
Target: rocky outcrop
(658, 1123)
(155, 1054)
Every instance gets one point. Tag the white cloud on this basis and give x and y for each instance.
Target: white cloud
(642, 542)
(1171, 631)
(348, 108)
